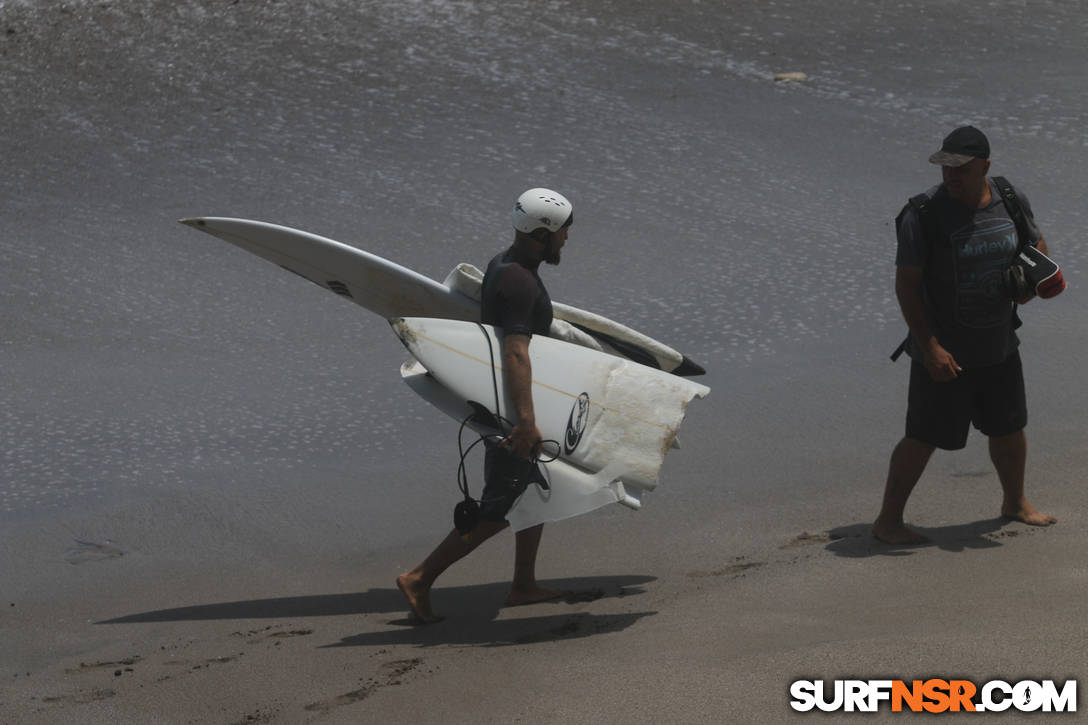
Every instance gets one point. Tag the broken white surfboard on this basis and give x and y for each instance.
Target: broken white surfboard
(613, 419)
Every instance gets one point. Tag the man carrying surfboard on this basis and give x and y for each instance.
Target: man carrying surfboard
(515, 301)
(957, 245)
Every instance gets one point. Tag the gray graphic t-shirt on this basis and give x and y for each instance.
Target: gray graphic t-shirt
(969, 307)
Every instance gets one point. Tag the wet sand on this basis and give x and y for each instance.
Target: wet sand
(630, 642)
(701, 621)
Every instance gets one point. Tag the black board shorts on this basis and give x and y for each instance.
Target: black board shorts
(505, 478)
(992, 398)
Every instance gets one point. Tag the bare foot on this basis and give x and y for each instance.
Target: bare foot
(419, 598)
(531, 595)
(1028, 514)
(898, 535)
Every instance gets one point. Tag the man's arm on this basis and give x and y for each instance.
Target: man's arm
(908, 290)
(518, 375)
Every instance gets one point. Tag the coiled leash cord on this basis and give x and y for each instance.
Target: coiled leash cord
(466, 514)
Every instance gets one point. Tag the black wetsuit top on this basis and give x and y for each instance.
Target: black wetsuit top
(513, 298)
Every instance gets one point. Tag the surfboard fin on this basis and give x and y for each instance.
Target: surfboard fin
(483, 416)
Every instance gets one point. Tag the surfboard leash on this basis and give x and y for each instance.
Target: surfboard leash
(466, 514)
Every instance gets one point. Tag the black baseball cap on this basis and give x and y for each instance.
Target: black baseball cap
(964, 144)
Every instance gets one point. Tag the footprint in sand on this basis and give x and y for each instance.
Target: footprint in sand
(82, 697)
(254, 636)
(82, 552)
(117, 666)
(807, 539)
(737, 568)
(389, 673)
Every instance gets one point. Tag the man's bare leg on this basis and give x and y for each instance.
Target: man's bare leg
(416, 584)
(524, 589)
(909, 460)
(1009, 455)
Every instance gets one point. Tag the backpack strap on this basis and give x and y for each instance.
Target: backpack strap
(901, 349)
(1016, 213)
(927, 221)
(1014, 208)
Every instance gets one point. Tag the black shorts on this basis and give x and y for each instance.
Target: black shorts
(992, 398)
(505, 478)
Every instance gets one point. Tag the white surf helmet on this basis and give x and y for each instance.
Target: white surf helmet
(542, 208)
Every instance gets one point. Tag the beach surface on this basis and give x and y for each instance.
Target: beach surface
(211, 475)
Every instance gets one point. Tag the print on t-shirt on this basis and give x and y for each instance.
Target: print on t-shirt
(983, 253)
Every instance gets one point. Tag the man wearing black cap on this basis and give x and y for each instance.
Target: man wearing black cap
(955, 245)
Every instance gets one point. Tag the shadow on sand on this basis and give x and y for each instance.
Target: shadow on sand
(471, 613)
(857, 541)
(481, 631)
